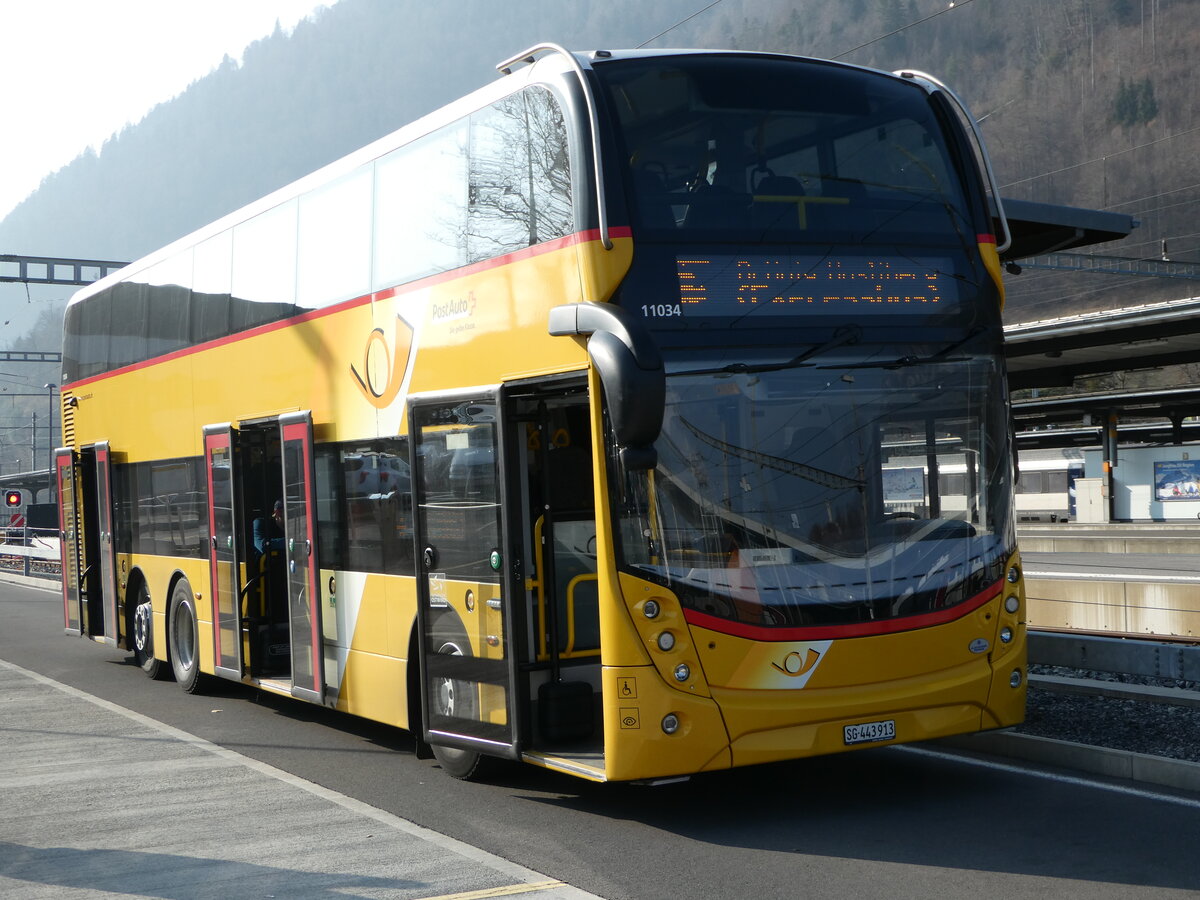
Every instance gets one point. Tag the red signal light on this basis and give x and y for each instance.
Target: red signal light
(12, 498)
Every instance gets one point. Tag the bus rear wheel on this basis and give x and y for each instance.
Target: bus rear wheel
(183, 636)
(143, 634)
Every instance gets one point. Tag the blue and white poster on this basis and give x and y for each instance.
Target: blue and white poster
(904, 485)
(1177, 479)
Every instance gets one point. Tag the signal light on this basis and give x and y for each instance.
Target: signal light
(12, 498)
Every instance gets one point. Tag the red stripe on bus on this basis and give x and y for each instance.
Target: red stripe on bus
(985, 238)
(833, 632)
(579, 237)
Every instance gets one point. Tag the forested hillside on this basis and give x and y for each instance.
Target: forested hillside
(1088, 102)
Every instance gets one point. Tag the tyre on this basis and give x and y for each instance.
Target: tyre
(143, 633)
(450, 697)
(183, 636)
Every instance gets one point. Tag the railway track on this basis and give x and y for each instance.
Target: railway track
(1140, 696)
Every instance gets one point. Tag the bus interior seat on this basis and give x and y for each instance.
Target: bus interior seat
(715, 206)
(653, 201)
(843, 207)
(778, 202)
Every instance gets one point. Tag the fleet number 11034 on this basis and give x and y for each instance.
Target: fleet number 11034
(661, 311)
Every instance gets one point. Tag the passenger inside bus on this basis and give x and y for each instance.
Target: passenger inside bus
(268, 532)
(267, 607)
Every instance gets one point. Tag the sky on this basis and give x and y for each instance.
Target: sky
(74, 72)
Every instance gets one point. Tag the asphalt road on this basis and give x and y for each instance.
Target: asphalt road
(876, 823)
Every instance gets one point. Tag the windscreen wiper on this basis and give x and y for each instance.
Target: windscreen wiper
(847, 334)
(903, 362)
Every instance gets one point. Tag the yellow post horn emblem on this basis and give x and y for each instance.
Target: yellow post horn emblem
(383, 369)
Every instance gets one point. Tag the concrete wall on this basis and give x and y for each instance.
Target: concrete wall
(1114, 607)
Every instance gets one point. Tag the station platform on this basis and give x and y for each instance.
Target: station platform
(82, 819)
(1135, 579)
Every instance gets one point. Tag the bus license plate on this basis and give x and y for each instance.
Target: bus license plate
(870, 731)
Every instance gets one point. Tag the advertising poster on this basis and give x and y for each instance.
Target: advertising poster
(904, 485)
(1177, 479)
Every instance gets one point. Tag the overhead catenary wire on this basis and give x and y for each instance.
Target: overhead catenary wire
(1103, 158)
(941, 12)
(677, 24)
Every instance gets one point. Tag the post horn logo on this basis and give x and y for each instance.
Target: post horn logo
(796, 663)
(383, 369)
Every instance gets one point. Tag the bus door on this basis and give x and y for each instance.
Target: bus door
(107, 574)
(90, 604)
(300, 556)
(70, 537)
(464, 610)
(220, 455)
(553, 454)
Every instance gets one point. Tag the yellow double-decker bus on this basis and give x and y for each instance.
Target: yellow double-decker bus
(594, 420)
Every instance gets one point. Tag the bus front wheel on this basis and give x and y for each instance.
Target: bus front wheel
(183, 636)
(455, 699)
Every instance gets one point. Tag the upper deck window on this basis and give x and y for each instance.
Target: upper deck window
(492, 183)
(754, 149)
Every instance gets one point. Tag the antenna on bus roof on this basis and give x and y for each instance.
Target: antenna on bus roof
(527, 57)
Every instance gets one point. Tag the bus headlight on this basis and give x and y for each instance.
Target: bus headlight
(670, 723)
(650, 609)
(666, 641)
(1014, 680)
(1006, 635)
(682, 672)
(1014, 575)
(1012, 603)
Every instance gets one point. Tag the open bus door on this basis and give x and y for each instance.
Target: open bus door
(464, 611)
(89, 571)
(300, 556)
(70, 537)
(220, 455)
(107, 575)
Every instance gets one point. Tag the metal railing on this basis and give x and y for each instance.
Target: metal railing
(32, 552)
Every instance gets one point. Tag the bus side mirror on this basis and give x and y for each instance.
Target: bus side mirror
(631, 370)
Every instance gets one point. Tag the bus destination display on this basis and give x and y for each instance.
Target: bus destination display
(816, 284)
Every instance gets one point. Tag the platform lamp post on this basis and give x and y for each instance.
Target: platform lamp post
(50, 388)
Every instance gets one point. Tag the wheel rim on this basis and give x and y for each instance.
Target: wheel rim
(445, 689)
(185, 636)
(142, 632)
